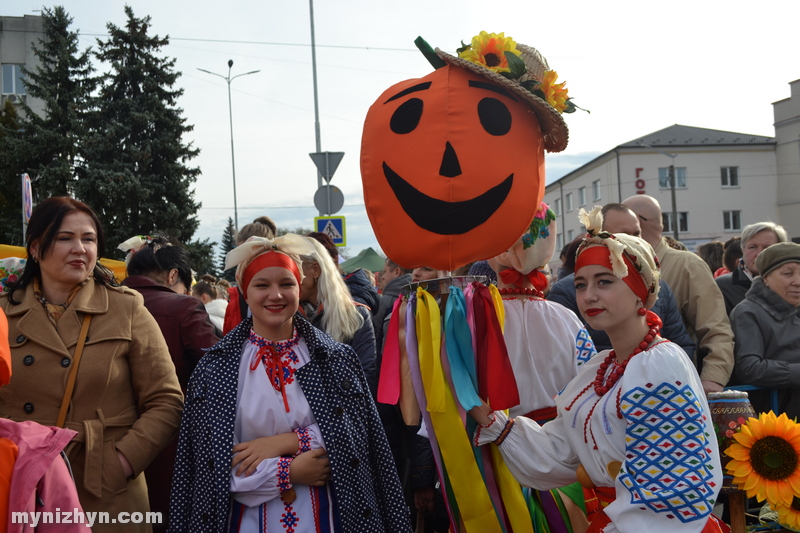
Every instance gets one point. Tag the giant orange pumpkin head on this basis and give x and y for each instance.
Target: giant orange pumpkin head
(453, 163)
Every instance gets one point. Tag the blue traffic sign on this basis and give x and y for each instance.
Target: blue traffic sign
(334, 227)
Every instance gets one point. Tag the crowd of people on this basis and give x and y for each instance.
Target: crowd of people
(252, 407)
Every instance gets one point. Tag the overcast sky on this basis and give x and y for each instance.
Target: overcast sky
(638, 66)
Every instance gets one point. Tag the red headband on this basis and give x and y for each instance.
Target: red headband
(265, 260)
(600, 255)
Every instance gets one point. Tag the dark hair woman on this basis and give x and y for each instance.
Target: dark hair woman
(158, 268)
(66, 319)
(609, 415)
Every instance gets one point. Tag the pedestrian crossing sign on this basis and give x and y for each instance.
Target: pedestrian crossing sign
(333, 227)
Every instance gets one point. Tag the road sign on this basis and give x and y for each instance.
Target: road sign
(328, 199)
(327, 163)
(333, 227)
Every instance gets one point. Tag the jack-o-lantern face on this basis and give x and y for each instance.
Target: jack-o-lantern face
(452, 167)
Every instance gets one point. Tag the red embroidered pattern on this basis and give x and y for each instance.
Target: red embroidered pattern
(279, 361)
(303, 441)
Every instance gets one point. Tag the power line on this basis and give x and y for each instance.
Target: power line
(269, 43)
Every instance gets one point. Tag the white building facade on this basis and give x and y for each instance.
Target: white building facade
(18, 35)
(724, 180)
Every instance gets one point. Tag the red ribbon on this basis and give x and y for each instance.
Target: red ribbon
(273, 363)
(496, 380)
(510, 276)
(389, 382)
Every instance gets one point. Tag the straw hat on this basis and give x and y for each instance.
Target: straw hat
(554, 129)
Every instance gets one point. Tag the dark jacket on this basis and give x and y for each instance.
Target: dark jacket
(389, 295)
(767, 348)
(363, 477)
(734, 287)
(363, 342)
(183, 321)
(362, 290)
(563, 292)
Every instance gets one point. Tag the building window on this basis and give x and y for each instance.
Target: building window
(582, 196)
(559, 241)
(730, 176)
(732, 220)
(13, 80)
(680, 178)
(596, 190)
(557, 207)
(569, 202)
(683, 222)
(571, 235)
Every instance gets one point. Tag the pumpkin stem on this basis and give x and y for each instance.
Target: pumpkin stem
(435, 61)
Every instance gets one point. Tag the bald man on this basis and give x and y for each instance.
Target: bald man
(697, 295)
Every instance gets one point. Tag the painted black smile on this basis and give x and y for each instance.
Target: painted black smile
(447, 218)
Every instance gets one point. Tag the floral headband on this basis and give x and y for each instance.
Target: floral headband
(623, 250)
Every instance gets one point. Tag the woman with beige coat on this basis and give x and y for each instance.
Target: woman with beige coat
(126, 402)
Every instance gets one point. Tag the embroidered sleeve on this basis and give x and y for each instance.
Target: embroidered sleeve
(308, 438)
(584, 347)
(669, 466)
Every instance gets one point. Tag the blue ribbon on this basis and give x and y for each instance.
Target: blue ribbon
(458, 341)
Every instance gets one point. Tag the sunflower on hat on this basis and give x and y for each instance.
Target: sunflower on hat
(518, 68)
(766, 463)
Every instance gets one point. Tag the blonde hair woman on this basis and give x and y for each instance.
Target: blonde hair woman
(328, 305)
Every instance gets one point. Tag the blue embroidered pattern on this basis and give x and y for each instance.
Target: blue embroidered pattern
(584, 347)
(668, 465)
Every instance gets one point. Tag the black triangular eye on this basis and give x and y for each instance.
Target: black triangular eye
(495, 116)
(406, 117)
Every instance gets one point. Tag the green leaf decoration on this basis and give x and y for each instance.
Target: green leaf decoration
(540, 94)
(429, 53)
(529, 85)
(515, 64)
(463, 48)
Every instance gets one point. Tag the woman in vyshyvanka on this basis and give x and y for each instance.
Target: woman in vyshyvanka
(634, 424)
(280, 432)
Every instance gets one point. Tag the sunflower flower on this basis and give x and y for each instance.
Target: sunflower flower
(764, 459)
(487, 50)
(555, 93)
(789, 515)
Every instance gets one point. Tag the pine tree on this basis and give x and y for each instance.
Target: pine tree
(228, 243)
(63, 81)
(201, 256)
(11, 155)
(136, 175)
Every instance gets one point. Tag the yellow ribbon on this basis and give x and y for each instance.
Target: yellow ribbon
(511, 494)
(474, 502)
(499, 308)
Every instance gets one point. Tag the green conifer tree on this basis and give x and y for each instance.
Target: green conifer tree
(136, 175)
(64, 82)
(228, 243)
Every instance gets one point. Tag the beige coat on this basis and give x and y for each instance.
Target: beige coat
(126, 398)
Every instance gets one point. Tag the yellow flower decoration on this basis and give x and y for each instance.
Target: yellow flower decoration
(487, 50)
(789, 515)
(555, 93)
(764, 459)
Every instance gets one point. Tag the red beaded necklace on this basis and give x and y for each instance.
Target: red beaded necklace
(513, 291)
(602, 386)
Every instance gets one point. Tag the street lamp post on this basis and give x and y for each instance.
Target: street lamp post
(229, 79)
(672, 179)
